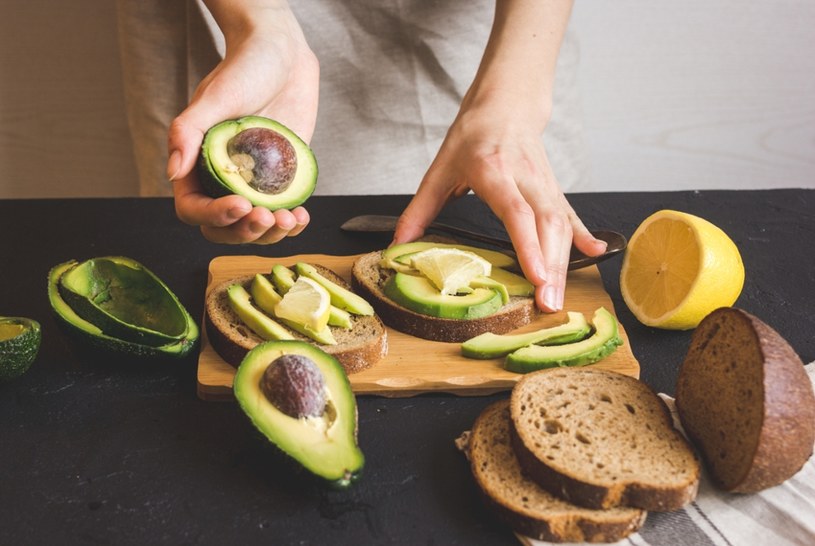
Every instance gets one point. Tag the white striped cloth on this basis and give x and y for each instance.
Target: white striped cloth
(780, 516)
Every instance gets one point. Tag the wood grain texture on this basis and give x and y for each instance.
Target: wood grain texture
(413, 366)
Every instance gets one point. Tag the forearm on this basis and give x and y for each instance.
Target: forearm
(518, 66)
(238, 19)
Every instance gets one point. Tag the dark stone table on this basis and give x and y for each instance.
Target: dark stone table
(96, 452)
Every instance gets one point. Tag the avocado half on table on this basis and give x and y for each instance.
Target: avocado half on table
(259, 159)
(114, 303)
(20, 339)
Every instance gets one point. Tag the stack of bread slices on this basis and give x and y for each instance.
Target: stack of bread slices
(580, 455)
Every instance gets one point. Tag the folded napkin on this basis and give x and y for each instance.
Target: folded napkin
(780, 516)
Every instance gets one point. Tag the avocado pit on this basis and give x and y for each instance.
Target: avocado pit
(294, 385)
(264, 158)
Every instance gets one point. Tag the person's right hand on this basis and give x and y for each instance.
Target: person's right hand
(268, 70)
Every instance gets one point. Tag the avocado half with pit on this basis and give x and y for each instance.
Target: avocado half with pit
(259, 159)
(300, 399)
(116, 304)
(20, 339)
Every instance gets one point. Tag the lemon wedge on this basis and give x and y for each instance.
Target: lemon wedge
(450, 269)
(306, 303)
(677, 269)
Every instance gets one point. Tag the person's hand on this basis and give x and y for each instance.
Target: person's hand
(268, 70)
(498, 154)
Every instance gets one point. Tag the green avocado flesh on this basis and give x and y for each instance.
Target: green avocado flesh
(259, 159)
(599, 345)
(94, 336)
(326, 444)
(340, 296)
(419, 295)
(489, 345)
(20, 339)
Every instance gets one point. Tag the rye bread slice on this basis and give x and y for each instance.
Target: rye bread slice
(368, 280)
(523, 505)
(358, 348)
(745, 400)
(601, 439)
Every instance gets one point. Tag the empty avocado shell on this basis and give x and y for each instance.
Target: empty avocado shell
(117, 304)
(19, 344)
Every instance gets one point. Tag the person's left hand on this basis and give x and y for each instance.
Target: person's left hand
(497, 153)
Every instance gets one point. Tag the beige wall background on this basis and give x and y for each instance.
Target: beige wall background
(689, 95)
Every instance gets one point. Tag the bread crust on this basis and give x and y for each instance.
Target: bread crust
(575, 479)
(368, 279)
(780, 438)
(232, 339)
(543, 516)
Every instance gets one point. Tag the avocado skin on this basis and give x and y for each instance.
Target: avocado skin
(92, 337)
(18, 353)
(215, 186)
(332, 456)
(599, 345)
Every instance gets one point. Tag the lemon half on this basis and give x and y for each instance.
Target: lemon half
(678, 268)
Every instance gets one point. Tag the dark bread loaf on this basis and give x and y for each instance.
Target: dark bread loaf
(527, 508)
(357, 348)
(369, 280)
(744, 399)
(601, 439)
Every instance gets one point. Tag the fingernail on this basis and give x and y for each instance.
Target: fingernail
(173, 165)
(550, 298)
(561, 294)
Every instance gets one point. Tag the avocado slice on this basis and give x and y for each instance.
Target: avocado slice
(260, 159)
(419, 295)
(265, 297)
(93, 336)
(599, 345)
(322, 441)
(340, 297)
(489, 345)
(488, 282)
(515, 284)
(20, 339)
(398, 256)
(257, 321)
(125, 299)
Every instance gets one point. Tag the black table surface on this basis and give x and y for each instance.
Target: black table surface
(95, 452)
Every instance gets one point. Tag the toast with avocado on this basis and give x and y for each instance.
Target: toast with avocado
(438, 305)
(240, 314)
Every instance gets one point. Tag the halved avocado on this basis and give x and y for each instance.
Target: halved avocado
(20, 339)
(94, 337)
(489, 345)
(125, 300)
(599, 345)
(419, 295)
(322, 441)
(260, 159)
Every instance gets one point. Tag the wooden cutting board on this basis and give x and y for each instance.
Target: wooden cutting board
(413, 365)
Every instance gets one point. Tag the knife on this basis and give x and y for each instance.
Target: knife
(376, 223)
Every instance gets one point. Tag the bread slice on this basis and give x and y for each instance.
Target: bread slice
(745, 400)
(526, 507)
(601, 439)
(358, 348)
(369, 279)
